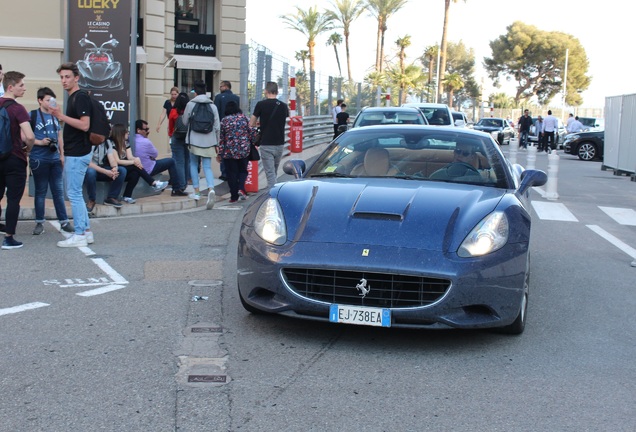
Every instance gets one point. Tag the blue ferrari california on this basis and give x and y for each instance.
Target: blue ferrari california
(394, 226)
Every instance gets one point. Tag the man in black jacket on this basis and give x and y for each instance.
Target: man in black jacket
(525, 121)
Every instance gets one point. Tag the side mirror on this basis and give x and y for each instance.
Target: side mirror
(530, 178)
(294, 167)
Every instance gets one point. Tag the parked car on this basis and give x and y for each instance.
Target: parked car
(395, 226)
(500, 129)
(586, 145)
(460, 120)
(371, 116)
(436, 114)
(559, 137)
(593, 123)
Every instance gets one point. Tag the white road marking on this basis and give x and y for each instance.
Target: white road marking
(613, 240)
(22, 308)
(553, 211)
(99, 291)
(623, 216)
(116, 277)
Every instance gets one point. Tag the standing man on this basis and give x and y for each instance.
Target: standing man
(538, 130)
(221, 100)
(47, 162)
(550, 126)
(334, 112)
(13, 171)
(343, 118)
(77, 152)
(525, 121)
(576, 126)
(272, 114)
(569, 122)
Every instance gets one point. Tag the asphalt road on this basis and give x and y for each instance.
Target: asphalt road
(110, 337)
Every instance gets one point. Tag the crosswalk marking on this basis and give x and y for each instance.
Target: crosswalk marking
(553, 211)
(623, 216)
(613, 240)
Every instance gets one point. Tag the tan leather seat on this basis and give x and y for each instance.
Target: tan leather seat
(376, 163)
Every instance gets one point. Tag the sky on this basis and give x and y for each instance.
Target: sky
(602, 30)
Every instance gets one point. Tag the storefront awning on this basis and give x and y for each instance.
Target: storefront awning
(182, 61)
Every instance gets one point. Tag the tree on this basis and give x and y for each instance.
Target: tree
(409, 80)
(334, 40)
(501, 100)
(453, 82)
(442, 66)
(310, 23)
(346, 11)
(382, 11)
(535, 59)
(302, 56)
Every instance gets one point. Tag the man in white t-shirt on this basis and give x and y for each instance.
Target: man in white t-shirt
(334, 112)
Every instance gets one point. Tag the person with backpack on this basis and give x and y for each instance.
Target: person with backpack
(46, 160)
(78, 152)
(202, 119)
(14, 122)
(180, 153)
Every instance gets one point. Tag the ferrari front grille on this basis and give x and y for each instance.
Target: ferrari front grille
(382, 289)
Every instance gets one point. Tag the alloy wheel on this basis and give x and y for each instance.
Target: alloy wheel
(587, 151)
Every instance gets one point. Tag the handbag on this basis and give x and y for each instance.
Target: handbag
(254, 154)
(256, 136)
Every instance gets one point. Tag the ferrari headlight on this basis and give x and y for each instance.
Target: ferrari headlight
(488, 236)
(270, 223)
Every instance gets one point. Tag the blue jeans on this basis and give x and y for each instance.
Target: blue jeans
(181, 156)
(74, 172)
(48, 173)
(92, 177)
(162, 165)
(271, 156)
(523, 139)
(206, 162)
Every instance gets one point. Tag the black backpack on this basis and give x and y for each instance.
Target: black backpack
(202, 118)
(180, 129)
(6, 141)
(99, 129)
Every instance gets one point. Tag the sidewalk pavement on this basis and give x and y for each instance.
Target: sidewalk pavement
(160, 203)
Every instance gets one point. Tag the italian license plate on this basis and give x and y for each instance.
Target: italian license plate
(360, 315)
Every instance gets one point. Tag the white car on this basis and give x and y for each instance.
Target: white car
(436, 114)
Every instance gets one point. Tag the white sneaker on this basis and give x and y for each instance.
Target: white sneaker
(129, 200)
(89, 237)
(73, 241)
(211, 199)
(160, 186)
(195, 196)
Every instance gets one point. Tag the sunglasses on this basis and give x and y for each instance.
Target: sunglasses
(463, 152)
(145, 129)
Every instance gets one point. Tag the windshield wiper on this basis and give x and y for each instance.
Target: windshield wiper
(330, 174)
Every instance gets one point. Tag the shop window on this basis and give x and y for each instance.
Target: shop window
(194, 16)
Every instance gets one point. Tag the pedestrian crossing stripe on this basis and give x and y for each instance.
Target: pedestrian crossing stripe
(553, 211)
(623, 216)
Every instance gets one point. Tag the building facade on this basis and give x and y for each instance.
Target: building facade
(178, 42)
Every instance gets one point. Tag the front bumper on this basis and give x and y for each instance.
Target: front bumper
(482, 292)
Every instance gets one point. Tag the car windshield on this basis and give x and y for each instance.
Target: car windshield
(490, 122)
(436, 116)
(415, 153)
(372, 118)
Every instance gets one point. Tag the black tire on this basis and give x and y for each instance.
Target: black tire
(519, 324)
(587, 151)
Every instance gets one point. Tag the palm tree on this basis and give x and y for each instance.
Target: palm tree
(334, 40)
(402, 43)
(442, 65)
(346, 11)
(303, 56)
(453, 82)
(382, 10)
(310, 23)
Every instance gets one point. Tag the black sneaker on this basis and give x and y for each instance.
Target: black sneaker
(11, 243)
(67, 227)
(113, 202)
(179, 192)
(39, 229)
